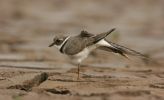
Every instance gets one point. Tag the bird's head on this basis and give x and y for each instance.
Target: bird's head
(58, 41)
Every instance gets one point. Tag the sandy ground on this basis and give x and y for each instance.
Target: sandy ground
(29, 69)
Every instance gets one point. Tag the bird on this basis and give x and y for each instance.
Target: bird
(78, 47)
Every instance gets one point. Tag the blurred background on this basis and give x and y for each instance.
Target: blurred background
(28, 26)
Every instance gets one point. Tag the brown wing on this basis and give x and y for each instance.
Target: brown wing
(86, 34)
(94, 39)
(74, 45)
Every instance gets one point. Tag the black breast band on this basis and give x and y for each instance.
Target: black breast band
(62, 48)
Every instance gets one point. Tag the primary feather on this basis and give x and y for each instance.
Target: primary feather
(116, 48)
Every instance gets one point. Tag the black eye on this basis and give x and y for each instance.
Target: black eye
(58, 41)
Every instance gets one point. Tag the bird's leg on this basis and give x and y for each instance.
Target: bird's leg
(78, 71)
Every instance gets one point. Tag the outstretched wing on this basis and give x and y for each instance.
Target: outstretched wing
(102, 35)
(113, 47)
(96, 38)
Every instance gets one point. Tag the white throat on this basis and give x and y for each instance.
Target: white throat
(59, 46)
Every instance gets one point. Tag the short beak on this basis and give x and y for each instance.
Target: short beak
(51, 44)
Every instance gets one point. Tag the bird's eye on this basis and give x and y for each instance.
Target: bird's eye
(58, 41)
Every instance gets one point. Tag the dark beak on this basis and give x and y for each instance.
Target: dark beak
(51, 44)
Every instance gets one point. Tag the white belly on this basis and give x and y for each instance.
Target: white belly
(78, 58)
